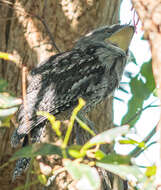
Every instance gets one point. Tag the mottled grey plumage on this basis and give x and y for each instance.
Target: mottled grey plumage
(91, 70)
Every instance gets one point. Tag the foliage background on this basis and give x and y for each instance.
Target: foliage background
(141, 92)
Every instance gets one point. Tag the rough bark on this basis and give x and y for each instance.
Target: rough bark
(24, 35)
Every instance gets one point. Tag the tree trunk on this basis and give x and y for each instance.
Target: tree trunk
(24, 35)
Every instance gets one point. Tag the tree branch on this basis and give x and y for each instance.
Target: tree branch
(137, 151)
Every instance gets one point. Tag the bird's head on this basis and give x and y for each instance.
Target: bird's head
(118, 35)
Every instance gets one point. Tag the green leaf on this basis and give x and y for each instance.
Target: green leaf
(74, 151)
(99, 154)
(7, 101)
(138, 88)
(88, 177)
(109, 135)
(115, 159)
(155, 92)
(7, 112)
(106, 137)
(133, 114)
(8, 106)
(131, 173)
(146, 71)
(134, 142)
(5, 116)
(37, 149)
(125, 172)
(5, 121)
(42, 178)
(150, 171)
(73, 169)
(140, 91)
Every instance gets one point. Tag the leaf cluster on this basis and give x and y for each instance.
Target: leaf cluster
(81, 161)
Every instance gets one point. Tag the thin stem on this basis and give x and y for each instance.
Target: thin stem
(48, 32)
(139, 112)
(137, 151)
(71, 122)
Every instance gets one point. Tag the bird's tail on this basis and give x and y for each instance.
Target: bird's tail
(23, 163)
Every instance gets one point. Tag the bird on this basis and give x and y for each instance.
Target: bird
(92, 70)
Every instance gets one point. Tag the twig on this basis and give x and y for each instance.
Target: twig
(137, 151)
(36, 16)
(141, 110)
(9, 4)
(24, 84)
(24, 75)
(48, 32)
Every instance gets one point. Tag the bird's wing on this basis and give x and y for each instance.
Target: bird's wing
(59, 83)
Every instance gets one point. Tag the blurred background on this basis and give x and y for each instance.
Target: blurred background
(137, 93)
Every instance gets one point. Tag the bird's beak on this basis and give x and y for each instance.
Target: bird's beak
(122, 37)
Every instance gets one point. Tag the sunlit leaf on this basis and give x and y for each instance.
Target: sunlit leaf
(124, 171)
(106, 137)
(150, 171)
(74, 151)
(7, 101)
(131, 173)
(99, 154)
(109, 135)
(88, 177)
(7, 112)
(155, 92)
(8, 107)
(42, 178)
(5, 121)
